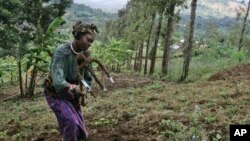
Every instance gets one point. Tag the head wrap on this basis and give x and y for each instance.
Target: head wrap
(82, 27)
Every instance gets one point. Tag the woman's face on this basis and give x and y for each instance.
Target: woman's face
(85, 41)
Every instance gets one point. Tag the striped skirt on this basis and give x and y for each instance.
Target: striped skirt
(70, 119)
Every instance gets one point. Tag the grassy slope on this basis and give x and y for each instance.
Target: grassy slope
(178, 111)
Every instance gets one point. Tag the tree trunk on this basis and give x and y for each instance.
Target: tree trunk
(128, 62)
(154, 51)
(117, 67)
(243, 28)
(31, 89)
(1, 79)
(168, 38)
(140, 56)
(188, 50)
(135, 60)
(148, 44)
(11, 77)
(26, 82)
(20, 76)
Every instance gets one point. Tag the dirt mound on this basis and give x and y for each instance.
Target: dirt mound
(241, 72)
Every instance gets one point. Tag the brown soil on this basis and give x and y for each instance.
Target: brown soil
(241, 72)
(123, 81)
(9, 91)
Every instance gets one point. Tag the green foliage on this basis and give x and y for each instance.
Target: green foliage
(239, 55)
(171, 126)
(175, 130)
(218, 136)
(105, 122)
(52, 38)
(8, 68)
(211, 119)
(53, 27)
(3, 135)
(113, 54)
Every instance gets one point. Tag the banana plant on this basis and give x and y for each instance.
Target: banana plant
(42, 44)
(116, 54)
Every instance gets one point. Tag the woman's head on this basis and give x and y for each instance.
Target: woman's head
(84, 34)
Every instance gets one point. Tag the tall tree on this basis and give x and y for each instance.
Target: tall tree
(188, 49)
(154, 50)
(172, 17)
(148, 44)
(136, 59)
(11, 33)
(140, 55)
(168, 37)
(244, 27)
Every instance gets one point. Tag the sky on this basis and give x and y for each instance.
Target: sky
(106, 5)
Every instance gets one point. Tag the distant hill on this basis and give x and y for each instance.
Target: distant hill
(106, 5)
(219, 13)
(216, 8)
(88, 14)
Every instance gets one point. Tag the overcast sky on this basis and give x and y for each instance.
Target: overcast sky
(106, 5)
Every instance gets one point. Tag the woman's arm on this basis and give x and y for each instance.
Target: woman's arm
(57, 71)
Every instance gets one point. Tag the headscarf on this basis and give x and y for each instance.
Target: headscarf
(82, 27)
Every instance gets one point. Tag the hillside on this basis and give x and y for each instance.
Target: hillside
(140, 110)
(88, 14)
(215, 8)
(106, 5)
(219, 13)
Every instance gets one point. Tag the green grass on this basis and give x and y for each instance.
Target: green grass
(200, 68)
(207, 63)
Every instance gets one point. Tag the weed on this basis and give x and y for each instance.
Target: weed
(3, 135)
(211, 119)
(105, 122)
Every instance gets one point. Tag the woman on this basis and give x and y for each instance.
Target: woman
(61, 92)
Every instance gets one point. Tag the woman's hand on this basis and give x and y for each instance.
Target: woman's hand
(74, 89)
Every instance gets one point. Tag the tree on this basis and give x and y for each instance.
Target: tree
(188, 49)
(154, 50)
(244, 28)
(10, 12)
(170, 11)
(148, 44)
(12, 31)
(168, 37)
(140, 57)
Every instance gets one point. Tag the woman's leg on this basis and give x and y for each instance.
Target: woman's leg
(70, 120)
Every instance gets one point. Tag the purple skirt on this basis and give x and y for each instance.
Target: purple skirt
(70, 119)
